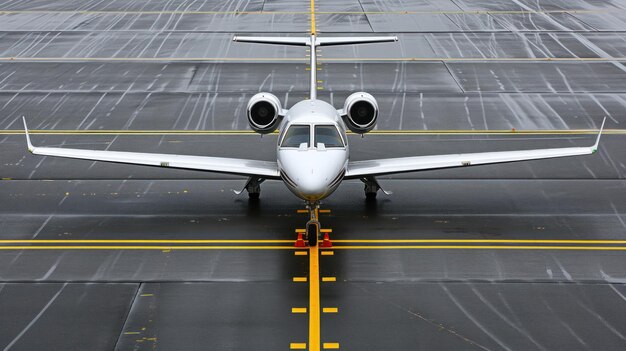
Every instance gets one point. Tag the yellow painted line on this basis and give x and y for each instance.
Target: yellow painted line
(301, 253)
(300, 230)
(312, 5)
(297, 346)
(324, 211)
(298, 310)
(314, 300)
(327, 253)
(302, 211)
(327, 59)
(146, 295)
(329, 279)
(482, 247)
(331, 345)
(330, 310)
(131, 333)
(120, 247)
(470, 12)
(143, 241)
(299, 279)
(326, 230)
(496, 241)
(374, 132)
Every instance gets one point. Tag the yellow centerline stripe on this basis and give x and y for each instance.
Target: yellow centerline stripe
(129, 247)
(374, 132)
(289, 247)
(508, 241)
(312, 13)
(481, 247)
(257, 241)
(314, 300)
(327, 59)
(146, 241)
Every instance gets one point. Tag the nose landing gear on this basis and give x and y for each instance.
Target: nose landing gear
(313, 231)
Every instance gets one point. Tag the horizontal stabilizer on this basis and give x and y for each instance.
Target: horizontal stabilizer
(296, 41)
(329, 41)
(306, 41)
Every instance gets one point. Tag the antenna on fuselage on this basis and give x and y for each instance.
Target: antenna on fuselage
(313, 42)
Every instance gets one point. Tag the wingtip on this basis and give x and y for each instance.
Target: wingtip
(28, 143)
(595, 146)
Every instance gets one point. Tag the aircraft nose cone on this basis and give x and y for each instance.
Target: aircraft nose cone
(313, 186)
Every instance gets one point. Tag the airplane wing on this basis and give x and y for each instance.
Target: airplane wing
(263, 169)
(359, 169)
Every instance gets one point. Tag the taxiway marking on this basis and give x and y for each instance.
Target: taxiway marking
(298, 310)
(297, 346)
(314, 299)
(146, 241)
(174, 12)
(481, 247)
(507, 241)
(331, 345)
(296, 59)
(330, 310)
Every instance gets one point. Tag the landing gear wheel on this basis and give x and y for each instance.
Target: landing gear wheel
(312, 232)
(312, 240)
(254, 196)
(370, 196)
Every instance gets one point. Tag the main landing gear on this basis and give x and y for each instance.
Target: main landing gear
(253, 187)
(371, 188)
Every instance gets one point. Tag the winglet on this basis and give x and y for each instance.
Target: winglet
(595, 146)
(30, 146)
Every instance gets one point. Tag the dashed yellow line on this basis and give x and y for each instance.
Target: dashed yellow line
(330, 310)
(329, 279)
(298, 310)
(331, 345)
(297, 346)
(299, 279)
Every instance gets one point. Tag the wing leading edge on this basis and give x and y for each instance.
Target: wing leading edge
(264, 169)
(358, 169)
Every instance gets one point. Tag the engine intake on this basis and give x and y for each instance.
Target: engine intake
(264, 113)
(360, 112)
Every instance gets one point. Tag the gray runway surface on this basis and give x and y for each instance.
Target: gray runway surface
(526, 256)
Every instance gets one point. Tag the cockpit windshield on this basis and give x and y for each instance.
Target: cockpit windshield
(296, 135)
(328, 135)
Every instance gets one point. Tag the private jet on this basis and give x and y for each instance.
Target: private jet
(313, 156)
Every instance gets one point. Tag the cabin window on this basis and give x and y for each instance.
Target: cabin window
(328, 135)
(296, 135)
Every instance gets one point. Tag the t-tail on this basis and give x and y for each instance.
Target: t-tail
(313, 42)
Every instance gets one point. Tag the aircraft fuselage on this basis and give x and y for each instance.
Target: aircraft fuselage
(312, 161)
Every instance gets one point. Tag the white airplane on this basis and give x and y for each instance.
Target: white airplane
(312, 151)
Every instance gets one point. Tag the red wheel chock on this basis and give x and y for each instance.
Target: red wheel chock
(300, 242)
(326, 242)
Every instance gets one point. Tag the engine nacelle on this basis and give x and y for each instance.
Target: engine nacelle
(360, 112)
(264, 113)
